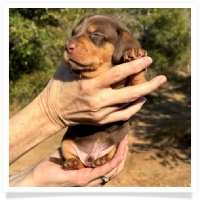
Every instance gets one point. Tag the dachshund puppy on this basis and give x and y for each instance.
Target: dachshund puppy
(98, 43)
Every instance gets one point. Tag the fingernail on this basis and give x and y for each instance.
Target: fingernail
(142, 100)
(147, 60)
(163, 79)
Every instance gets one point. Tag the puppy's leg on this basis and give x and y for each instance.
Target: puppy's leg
(72, 162)
(137, 78)
(134, 54)
(104, 159)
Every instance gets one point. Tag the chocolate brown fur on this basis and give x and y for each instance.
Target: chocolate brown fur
(98, 43)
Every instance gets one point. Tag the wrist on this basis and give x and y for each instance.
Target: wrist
(52, 122)
(28, 128)
(49, 112)
(23, 179)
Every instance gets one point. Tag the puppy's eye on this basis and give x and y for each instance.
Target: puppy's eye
(96, 34)
(97, 38)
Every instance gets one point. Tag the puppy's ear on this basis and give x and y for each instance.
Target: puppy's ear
(125, 42)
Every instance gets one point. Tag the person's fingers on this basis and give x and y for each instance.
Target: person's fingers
(124, 113)
(122, 147)
(109, 113)
(131, 93)
(121, 72)
(120, 166)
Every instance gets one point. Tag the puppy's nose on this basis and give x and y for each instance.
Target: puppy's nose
(70, 46)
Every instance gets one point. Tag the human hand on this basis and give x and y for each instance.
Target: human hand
(49, 174)
(69, 101)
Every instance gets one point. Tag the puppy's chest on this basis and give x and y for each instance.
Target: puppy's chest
(89, 138)
(94, 148)
(88, 151)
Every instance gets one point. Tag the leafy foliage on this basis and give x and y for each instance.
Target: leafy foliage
(37, 37)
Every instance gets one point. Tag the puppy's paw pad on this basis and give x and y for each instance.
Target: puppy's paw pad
(72, 164)
(100, 161)
(133, 54)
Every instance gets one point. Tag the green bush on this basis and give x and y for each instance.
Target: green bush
(37, 38)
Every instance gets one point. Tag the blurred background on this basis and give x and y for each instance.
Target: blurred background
(160, 136)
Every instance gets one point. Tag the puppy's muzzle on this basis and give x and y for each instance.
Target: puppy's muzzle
(71, 46)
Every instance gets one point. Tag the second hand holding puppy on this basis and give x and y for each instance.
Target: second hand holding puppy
(95, 97)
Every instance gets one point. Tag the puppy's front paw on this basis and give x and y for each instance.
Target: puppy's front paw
(100, 161)
(73, 164)
(133, 54)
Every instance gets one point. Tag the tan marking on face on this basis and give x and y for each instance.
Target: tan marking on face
(91, 28)
(93, 60)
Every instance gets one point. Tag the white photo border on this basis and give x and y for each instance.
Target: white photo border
(5, 5)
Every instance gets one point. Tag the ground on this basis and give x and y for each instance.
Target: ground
(159, 143)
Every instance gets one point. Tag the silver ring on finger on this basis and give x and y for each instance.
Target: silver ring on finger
(105, 179)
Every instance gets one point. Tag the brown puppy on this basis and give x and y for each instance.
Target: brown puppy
(98, 43)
